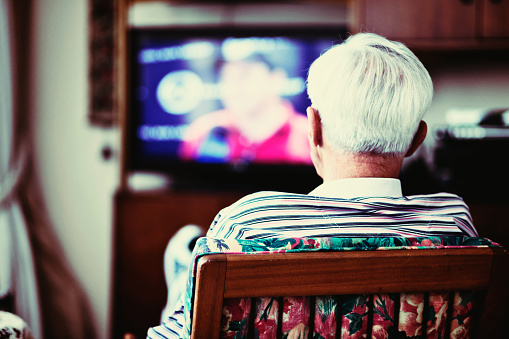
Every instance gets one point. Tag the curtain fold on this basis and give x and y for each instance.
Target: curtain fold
(5, 146)
(26, 296)
(31, 257)
(17, 270)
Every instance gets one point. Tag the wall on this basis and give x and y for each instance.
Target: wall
(77, 184)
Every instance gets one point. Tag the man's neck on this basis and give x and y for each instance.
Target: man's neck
(350, 165)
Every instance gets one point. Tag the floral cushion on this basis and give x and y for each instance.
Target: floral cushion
(408, 309)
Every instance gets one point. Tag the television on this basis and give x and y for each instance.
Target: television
(223, 107)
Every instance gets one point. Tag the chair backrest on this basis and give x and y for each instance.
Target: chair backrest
(394, 291)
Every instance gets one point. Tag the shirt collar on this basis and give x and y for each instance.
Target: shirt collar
(359, 187)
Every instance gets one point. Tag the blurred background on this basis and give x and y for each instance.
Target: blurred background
(66, 186)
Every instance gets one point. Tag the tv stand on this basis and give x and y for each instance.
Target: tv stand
(144, 223)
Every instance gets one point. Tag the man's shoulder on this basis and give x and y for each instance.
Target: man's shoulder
(282, 200)
(436, 197)
(275, 195)
(251, 206)
(448, 205)
(273, 200)
(268, 196)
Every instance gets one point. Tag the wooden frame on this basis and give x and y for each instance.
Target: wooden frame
(102, 40)
(222, 276)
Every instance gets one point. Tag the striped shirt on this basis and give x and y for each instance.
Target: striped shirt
(330, 211)
(274, 214)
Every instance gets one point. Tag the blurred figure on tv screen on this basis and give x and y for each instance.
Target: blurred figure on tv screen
(255, 125)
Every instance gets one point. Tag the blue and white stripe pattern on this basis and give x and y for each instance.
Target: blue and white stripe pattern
(276, 214)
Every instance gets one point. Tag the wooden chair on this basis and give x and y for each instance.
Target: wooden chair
(222, 276)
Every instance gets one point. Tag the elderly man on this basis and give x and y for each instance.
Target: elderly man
(368, 97)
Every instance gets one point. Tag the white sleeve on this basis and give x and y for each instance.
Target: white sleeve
(173, 326)
(216, 225)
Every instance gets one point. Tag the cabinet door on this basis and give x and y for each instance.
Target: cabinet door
(417, 19)
(496, 18)
(144, 223)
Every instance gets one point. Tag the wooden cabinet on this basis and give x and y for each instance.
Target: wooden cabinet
(144, 223)
(403, 19)
(495, 18)
(435, 23)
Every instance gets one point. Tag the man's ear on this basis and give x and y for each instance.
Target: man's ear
(418, 139)
(315, 126)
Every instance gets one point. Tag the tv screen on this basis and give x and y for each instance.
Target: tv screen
(210, 101)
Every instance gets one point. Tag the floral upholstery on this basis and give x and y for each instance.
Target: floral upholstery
(393, 316)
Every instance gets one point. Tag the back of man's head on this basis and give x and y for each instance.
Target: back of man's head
(371, 93)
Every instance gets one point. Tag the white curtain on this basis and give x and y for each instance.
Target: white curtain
(17, 271)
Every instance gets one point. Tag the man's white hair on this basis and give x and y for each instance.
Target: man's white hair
(371, 93)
